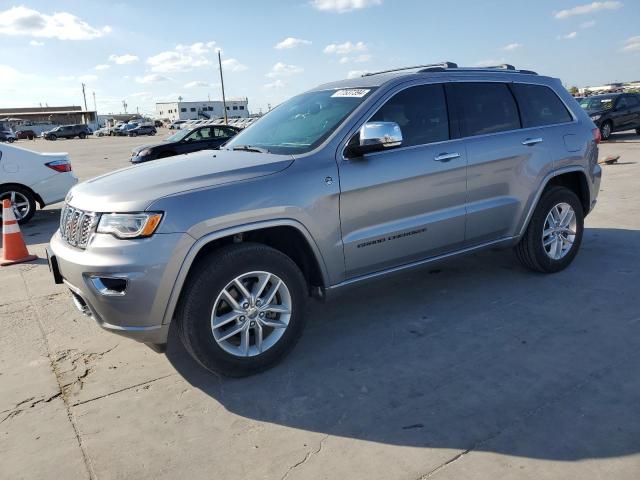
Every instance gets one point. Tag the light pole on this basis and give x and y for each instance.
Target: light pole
(85, 98)
(224, 101)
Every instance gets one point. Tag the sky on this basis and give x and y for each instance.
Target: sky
(146, 51)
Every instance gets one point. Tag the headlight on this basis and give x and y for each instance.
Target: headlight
(129, 225)
(144, 152)
(595, 117)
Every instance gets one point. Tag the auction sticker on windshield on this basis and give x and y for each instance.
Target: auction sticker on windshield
(352, 92)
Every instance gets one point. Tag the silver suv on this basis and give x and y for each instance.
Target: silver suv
(344, 183)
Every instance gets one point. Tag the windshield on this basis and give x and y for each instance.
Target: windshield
(597, 103)
(300, 124)
(176, 137)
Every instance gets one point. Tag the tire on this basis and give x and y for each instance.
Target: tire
(31, 137)
(637, 131)
(605, 130)
(133, 134)
(53, 137)
(531, 252)
(82, 136)
(203, 293)
(11, 139)
(20, 195)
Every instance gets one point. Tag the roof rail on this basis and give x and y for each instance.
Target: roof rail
(442, 66)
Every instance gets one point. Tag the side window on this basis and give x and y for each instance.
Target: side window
(485, 108)
(633, 101)
(421, 113)
(622, 103)
(539, 105)
(221, 133)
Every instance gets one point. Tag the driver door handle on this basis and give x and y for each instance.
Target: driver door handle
(445, 157)
(531, 141)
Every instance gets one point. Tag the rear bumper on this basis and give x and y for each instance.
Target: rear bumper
(147, 268)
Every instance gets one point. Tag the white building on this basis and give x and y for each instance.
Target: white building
(236, 107)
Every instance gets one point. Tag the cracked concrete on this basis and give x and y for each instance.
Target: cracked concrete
(475, 369)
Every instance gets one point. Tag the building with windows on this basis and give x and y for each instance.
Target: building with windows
(236, 107)
(47, 117)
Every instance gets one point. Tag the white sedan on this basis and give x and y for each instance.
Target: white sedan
(28, 177)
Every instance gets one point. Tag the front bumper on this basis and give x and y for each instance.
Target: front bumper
(148, 267)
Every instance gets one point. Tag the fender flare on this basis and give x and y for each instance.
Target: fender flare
(544, 183)
(204, 240)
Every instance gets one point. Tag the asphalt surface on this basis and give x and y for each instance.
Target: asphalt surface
(476, 368)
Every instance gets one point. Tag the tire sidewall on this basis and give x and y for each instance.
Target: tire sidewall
(208, 281)
(552, 198)
(602, 134)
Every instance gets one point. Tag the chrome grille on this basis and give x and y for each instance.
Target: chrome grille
(76, 226)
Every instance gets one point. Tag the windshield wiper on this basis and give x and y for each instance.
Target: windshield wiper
(250, 148)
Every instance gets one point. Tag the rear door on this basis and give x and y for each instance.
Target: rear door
(406, 204)
(504, 160)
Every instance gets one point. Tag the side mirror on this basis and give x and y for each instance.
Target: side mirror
(375, 137)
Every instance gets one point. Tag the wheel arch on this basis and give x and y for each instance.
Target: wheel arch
(573, 178)
(286, 235)
(36, 196)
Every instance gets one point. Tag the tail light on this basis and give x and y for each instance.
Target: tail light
(59, 166)
(596, 135)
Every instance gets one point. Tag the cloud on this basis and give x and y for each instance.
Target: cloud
(183, 58)
(568, 36)
(233, 65)
(88, 78)
(102, 67)
(343, 6)
(66, 78)
(291, 42)
(61, 25)
(345, 48)
(9, 74)
(587, 9)
(589, 24)
(35, 43)
(199, 83)
(355, 73)
(152, 78)
(512, 47)
(632, 45)
(357, 59)
(283, 70)
(125, 59)
(141, 95)
(275, 84)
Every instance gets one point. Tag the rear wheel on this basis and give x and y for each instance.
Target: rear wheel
(242, 309)
(605, 130)
(554, 234)
(52, 137)
(82, 135)
(22, 201)
(637, 131)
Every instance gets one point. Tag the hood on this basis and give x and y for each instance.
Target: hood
(137, 150)
(135, 188)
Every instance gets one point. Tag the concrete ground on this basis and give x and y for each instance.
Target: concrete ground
(472, 369)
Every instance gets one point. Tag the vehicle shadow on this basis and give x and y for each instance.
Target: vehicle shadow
(41, 227)
(478, 353)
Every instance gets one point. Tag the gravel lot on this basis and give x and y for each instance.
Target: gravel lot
(472, 369)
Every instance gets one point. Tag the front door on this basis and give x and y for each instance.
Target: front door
(406, 204)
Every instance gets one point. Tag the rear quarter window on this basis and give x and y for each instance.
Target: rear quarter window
(539, 105)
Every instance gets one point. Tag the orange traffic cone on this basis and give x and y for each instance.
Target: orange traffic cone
(14, 249)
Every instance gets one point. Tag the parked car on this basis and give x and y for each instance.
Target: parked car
(614, 112)
(158, 123)
(142, 130)
(347, 182)
(25, 134)
(7, 136)
(102, 132)
(124, 129)
(185, 141)
(67, 131)
(176, 124)
(30, 178)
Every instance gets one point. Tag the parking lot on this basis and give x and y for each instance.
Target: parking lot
(476, 368)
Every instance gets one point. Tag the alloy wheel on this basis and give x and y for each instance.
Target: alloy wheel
(251, 314)
(559, 232)
(19, 203)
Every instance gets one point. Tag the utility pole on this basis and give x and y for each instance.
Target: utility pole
(95, 106)
(224, 101)
(124, 105)
(85, 98)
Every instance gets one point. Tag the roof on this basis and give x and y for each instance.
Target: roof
(447, 69)
(48, 112)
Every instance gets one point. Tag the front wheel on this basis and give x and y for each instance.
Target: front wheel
(22, 200)
(554, 234)
(605, 130)
(243, 309)
(82, 136)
